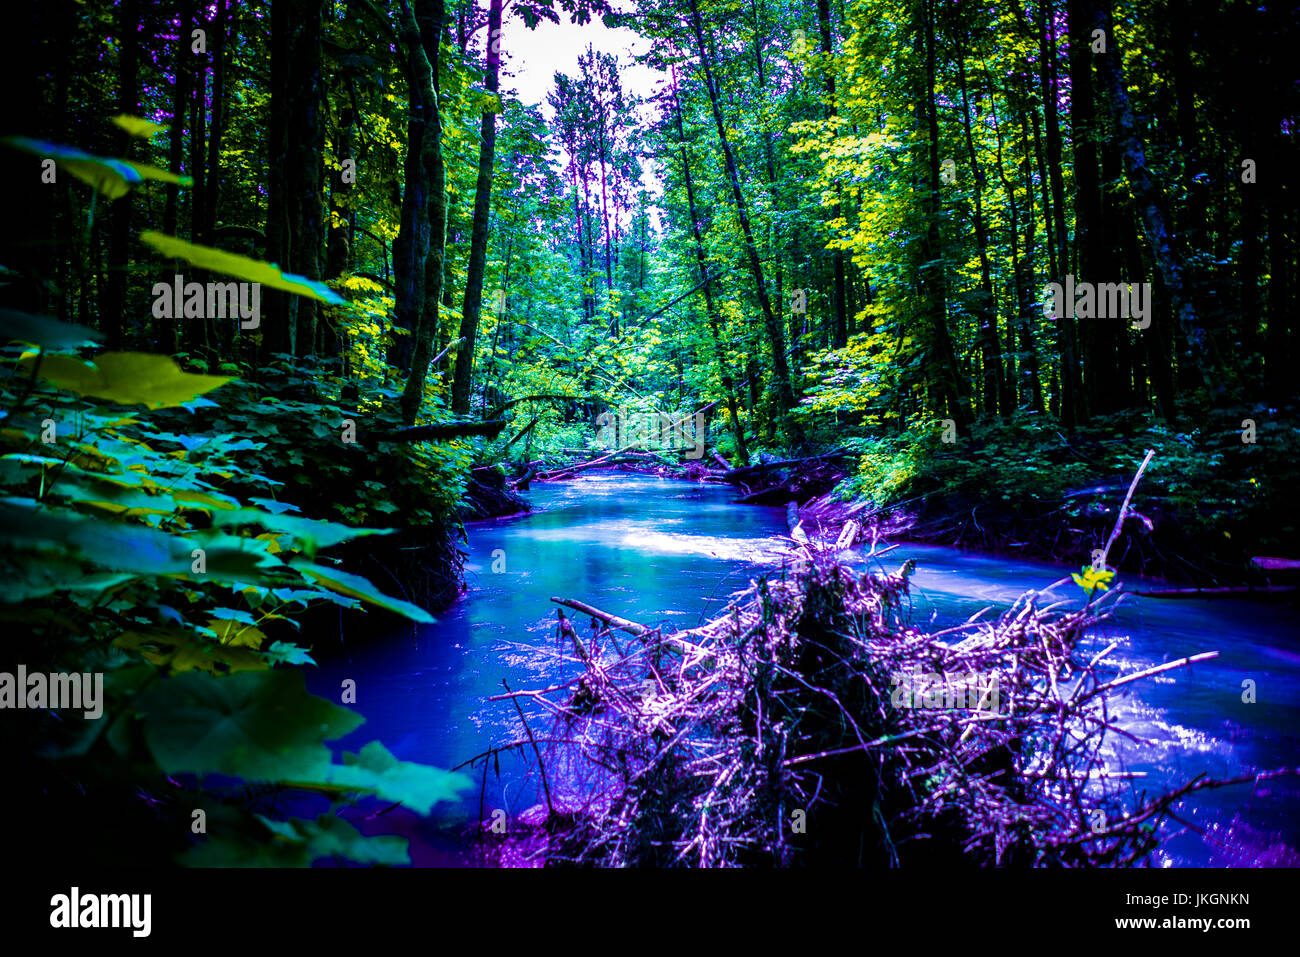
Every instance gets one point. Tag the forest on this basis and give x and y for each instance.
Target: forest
(304, 299)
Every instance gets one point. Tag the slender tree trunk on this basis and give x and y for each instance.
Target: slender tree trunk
(424, 41)
(724, 366)
(211, 196)
(840, 327)
(462, 381)
(950, 382)
(990, 345)
(776, 334)
(279, 308)
(114, 309)
(1067, 341)
(1090, 240)
(176, 150)
(411, 247)
(1150, 203)
(1024, 384)
(307, 142)
(200, 329)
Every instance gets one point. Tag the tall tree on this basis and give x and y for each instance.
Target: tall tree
(460, 389)
(775, 331)
(422, 32)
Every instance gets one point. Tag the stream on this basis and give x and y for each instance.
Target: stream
(667, 552)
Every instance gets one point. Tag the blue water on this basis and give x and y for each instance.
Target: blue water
(666, 552)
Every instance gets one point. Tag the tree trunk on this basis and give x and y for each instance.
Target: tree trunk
(1150, 202)
(423, 42)
(1025, 385)
(1094, 260)
(951, 383)
(411, 247)
(212, 194)
(776, 333)
(113, 308)
(840, 326)
(990, 347)
(1070, 386)
(461, 383)
(724, 368)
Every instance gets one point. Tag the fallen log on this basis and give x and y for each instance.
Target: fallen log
(756, 498)
(783, 463)
(618, 457)
(1276, 564)
(568, 471)
(522, 432)
(1228, 592)
(577, 468)
(441, 430)
(721, 461)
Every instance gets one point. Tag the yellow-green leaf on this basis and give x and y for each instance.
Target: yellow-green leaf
(232, 264)
(138, 127)
(129, 378)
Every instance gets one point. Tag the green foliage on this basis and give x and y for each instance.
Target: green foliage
(145, 546)
(294, 843)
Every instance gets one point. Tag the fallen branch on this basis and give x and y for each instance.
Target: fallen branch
(440, 430)
(751, 469)
(522, 432)
(613, 621)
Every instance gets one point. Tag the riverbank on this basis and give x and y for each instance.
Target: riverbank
(1210, 504)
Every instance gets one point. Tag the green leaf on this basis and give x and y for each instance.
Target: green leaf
(128, 378)
(329, 835)
(183, 651)
(232, 264)
(289, 654)
(354, 586)
(35, 579)
(112, 177)
(294, 843)
(310, 534)
(258, 725)
(375, 770)
(44, 331)
(153, 172)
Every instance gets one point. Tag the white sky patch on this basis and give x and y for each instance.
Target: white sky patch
(533, 57)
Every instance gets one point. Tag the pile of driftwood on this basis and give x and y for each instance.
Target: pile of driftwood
(812, 725)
